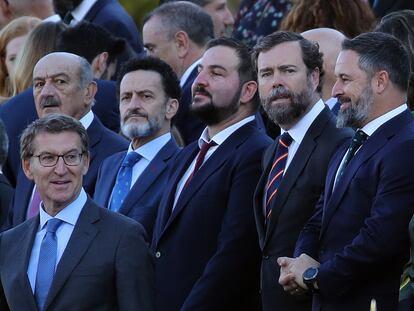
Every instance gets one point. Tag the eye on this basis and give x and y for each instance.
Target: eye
(60, 81)
(265, 74)
(47, 158)
(38, 84)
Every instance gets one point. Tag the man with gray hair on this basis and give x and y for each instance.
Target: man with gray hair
(6, 190)
(177, 32)
(63, 82)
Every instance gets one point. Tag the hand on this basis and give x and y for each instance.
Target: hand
(302, 263)
(287, 279)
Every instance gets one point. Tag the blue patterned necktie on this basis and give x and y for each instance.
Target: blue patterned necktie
(277, 171)
(123, 180)
(47, 262)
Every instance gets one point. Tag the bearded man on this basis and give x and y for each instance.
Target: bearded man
(132, 182)
(289, 76)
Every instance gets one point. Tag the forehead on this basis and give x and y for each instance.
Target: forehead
(52, 65)
(286, 53)
(215, 3)
(347, 63)
(221, 56)
(140, 80)
(56, 142)
(154, 30)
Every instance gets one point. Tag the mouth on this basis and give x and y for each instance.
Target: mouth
(134, 116)
(49, 102)
(280, 100)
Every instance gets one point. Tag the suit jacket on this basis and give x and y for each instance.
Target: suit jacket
(294, 204)
(142, 201)
(359, 231)
(20, 111)
(6, 196)
(110, 15)
(206, 249)
(102, 144)
(100, 269)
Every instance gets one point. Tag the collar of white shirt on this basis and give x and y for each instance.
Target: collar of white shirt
(188, 71)
(151, 148)
(87, 119)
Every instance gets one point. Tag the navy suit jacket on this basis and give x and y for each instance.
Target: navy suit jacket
(102, 144)
(100, 269)
(20, 111)
(294, 204)
(6, 196)
(206, 249)
(359, 231)
(142, 201)
(110, 15)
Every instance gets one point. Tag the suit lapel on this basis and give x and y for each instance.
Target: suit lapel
(110, 177)
(95, 134)
(82, 236)
(94, 10)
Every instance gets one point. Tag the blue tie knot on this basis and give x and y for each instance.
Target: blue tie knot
(53, 224)
(130, 159)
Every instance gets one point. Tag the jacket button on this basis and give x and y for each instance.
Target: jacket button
(157, 254)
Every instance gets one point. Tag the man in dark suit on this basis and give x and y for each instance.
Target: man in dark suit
(289, 77)
(6, 190)
(149, 93)
(63, 83)
(177, 33)
(74, 255)
(354, 247)
(108, 14)
(204, 240)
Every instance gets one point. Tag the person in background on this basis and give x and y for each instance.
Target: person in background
(6, 190)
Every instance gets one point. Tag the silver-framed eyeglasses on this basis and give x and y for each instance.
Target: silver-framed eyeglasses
(72, 158)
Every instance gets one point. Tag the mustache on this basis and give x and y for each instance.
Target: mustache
(201, 90)
(134, 113)
(342, 99)
(278, 93)
(49, 102)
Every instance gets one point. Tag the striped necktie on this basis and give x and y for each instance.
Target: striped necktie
(276, 172)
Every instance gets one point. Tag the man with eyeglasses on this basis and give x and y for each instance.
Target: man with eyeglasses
(70, 257)
(63, 83)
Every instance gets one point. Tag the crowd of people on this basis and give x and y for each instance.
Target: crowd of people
(210, 160)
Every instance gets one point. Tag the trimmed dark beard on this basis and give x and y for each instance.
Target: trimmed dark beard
(209, 113)
(282, 114)
(355, 115)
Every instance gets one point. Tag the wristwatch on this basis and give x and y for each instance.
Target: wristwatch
(309, 278)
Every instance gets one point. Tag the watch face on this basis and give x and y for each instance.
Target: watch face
(310, 273)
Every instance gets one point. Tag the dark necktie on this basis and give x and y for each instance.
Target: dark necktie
(359, 138)
(68, 18)
(123, 180)
(277, 170)
(47, 262)
(200, 159)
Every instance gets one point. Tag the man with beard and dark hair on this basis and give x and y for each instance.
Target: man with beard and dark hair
(204, 240)
(63, 83)
(289, 77)
(149, 93)
(108, 14)
(355, 246)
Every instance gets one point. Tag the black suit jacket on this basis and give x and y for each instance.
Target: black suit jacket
(20, 111)
(294, 204)
(6, 196)
(100, 269)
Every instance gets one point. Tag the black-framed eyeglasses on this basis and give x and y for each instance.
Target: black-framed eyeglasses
(49, 159)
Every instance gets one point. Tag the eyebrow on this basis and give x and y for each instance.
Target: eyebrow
(53, 76)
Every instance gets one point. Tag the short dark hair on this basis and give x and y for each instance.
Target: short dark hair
(53, 123)
(185, 16)
(89, 40)
(4, 144)
(311, 55)
(169, 79)
(380, 51)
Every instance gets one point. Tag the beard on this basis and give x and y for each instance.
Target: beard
(210, 113)
(137, 129)
(355, 115)
(283, 113)
(64, 6)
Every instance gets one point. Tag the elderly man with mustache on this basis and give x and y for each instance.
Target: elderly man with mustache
(132, 182)
(290, 78)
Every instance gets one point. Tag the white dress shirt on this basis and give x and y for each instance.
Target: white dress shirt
(188, 71)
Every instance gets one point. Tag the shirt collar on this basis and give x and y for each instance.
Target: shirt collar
(151, 148)
(188, 71)
(87, 119)
(298, 131)
(69, 214)
(331, 102)
(82, 9)
(372, 126)
(221, 136)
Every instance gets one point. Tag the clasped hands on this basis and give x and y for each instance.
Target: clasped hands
(291, 273)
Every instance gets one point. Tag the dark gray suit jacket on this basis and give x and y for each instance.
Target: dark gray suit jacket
(294, 204)
(105, 266)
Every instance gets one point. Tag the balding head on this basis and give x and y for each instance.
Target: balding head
(329, 41)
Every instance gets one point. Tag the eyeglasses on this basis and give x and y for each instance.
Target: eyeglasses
(49, 160)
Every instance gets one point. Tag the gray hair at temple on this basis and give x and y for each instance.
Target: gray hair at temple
(53, 123)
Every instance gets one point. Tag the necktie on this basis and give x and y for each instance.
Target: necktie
(200, 159)
(47, 262)
(33, 209)
(276, 172)
(123, 180)
(359, 138)
(68, 18)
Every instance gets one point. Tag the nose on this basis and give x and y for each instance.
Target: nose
(200, 79)
(60, 167)
(135, 101)
(47, 90)
(228, 18)
(337, 89)
(277, 80)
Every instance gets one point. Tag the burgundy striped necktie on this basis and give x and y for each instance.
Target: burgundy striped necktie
(277, 170)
